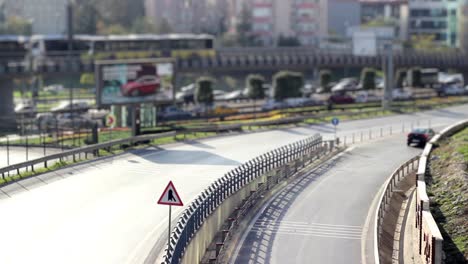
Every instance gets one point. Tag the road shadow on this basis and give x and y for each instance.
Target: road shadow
(447, 113)
(257, 247)
(198, 144)
(323, 128)
(189, 157)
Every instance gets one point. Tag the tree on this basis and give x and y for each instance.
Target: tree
(287, 85)
(85, 17)
(16, 26)
(143, 26)
(87, 79)
(120, 12)
(244, 28)
(255, 90)
(325, 79)
(114, 29)
(163, 27)
(368, 78)
(204, 90)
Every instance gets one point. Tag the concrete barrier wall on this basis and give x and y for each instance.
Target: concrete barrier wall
(195, 250)
(430, 238)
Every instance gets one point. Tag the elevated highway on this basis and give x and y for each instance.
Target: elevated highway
(105, 211)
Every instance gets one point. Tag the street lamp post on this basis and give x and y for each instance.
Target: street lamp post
(69, 56)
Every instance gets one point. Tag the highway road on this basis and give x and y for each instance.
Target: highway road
(322, 216)
(105, 211)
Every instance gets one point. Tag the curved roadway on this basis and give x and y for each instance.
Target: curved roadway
(323, 216)
(105, 211)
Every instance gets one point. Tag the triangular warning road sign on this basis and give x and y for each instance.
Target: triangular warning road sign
(170, 196)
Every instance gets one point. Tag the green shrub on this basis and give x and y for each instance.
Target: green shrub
(204, 90)
(325, 79)
(368, 79)
(254, 85)
(287, 84)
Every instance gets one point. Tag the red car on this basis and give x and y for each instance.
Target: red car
(341, 99)
(144, 85)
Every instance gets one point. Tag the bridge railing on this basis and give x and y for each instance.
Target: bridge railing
(383, 207)
(223, 192)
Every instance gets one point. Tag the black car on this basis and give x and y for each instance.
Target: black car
(420, 136)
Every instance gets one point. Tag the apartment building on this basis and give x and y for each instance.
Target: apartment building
(439, 18)
(188, 16)
(272, 19)
(393, 13)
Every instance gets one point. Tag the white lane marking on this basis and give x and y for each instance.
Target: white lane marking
(314, 234)
(310, 229)
(282, 223)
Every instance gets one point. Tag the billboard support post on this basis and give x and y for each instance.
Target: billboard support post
(136, 120)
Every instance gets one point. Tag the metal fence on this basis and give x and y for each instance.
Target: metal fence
(15, 169)
(384, 202)
(206, 203)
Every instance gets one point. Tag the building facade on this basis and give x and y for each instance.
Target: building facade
(274, 19)
(46, 16)
(388, 12)
(189, 16)
(338, 15)
(437, 18)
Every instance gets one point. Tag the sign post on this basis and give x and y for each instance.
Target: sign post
(170, 197)
(335, 121)
(110, 123)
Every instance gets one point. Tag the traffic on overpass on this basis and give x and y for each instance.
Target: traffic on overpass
(245, 131)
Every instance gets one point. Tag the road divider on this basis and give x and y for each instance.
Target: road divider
(216, 211)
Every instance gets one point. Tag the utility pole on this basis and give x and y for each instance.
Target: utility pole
(388, 71)
(69, 57)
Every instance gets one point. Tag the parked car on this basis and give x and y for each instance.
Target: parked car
(144, 85)
(273, 105)
(45, 121)
(173, 113)
(420, 136)
(300, 102)
(54, 89)
(346, 84)
(218, 94)
(235, 95)
(401, 95)
(364, 97)
(341, 98)
(75, 120)
(451, 89)
(78, 106)
(26, 109)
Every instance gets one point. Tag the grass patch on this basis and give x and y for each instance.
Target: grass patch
(448, 190)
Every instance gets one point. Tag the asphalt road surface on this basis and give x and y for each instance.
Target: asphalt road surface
(321, 217)
(105, 211)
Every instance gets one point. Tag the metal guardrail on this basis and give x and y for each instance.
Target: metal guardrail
(91, 149)
(384, 201)
(206, 203)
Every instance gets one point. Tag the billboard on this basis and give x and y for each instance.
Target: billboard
(126, 82)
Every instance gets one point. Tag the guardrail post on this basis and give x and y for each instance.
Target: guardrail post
(381, 132)
(391, 130)
(370, 134)
(353, 138)
(362, 136)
